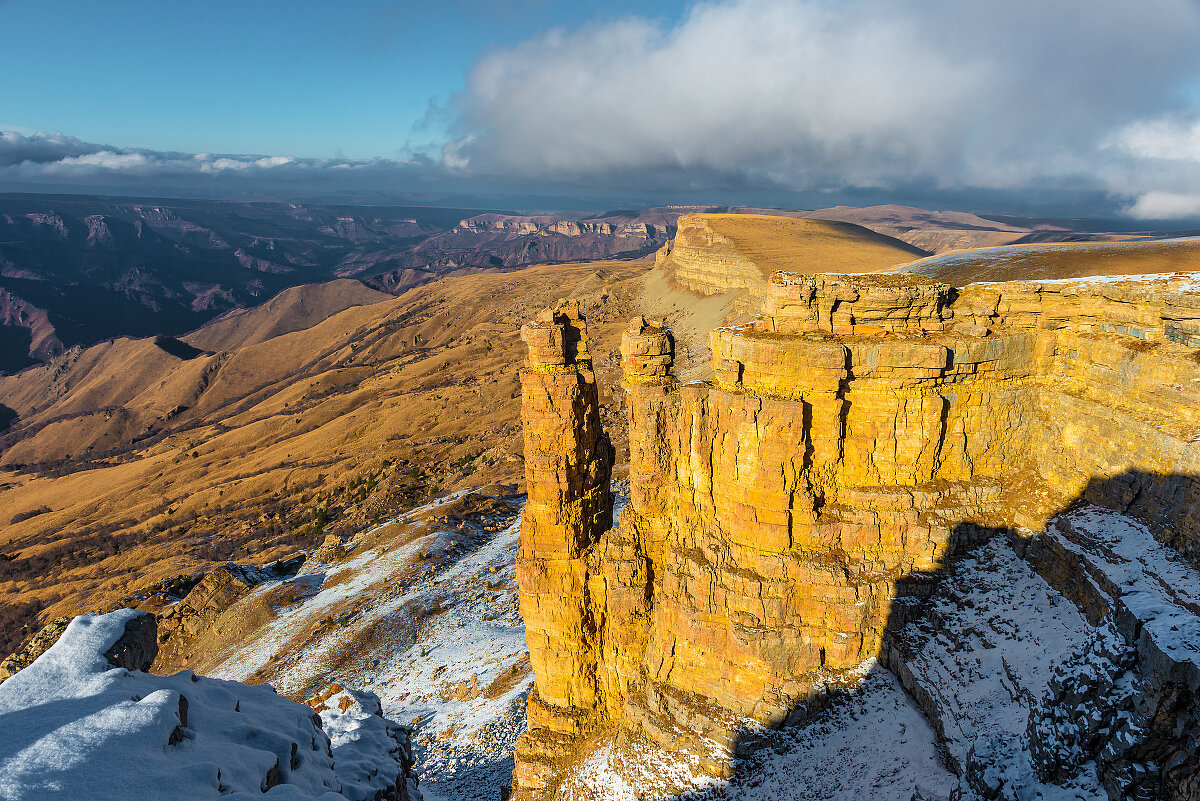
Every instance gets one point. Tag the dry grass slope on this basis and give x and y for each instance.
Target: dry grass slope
(787, 243)
(282, 442)
(291, 310)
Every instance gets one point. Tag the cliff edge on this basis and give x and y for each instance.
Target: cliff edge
(860, 431)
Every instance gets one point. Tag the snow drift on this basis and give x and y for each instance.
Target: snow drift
(83, 722)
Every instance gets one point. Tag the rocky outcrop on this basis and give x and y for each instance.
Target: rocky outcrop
(354, 719)
(34, 647)
(851, 438)
(708, 262)
(568, 460)
(137, 645)
(134, 649)
(201, 611)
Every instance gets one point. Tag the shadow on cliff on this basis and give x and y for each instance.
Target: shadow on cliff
(909, 743)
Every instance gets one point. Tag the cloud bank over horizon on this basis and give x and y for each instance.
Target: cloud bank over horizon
(51, 159)
(1023, 95)
(1094, 104)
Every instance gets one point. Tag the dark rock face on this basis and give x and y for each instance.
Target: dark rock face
(137, 647)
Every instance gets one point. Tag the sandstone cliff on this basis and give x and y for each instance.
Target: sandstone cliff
(855, 434)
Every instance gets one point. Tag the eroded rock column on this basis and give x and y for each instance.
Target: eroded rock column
(568, 461)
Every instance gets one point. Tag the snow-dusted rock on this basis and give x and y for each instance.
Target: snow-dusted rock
(1071, 673)
(360, 735)
(74, 725)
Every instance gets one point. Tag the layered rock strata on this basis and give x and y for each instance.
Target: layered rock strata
(568, 461)
(850, 438)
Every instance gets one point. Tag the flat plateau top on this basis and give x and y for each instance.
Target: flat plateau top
(806, 246)
(1062, 261)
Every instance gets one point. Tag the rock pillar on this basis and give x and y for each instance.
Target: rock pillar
(568, 461)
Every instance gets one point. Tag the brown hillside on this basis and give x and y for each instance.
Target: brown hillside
(787, 243)
(291, 310)
(715, 253)
(932, 231)
(283, 442)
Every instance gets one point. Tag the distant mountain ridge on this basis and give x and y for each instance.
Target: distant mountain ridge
(78, 270)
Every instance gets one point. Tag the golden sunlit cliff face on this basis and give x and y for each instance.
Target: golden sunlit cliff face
(850, 438)
(130, 466)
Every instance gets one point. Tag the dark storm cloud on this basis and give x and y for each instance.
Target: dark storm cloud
(40, 148)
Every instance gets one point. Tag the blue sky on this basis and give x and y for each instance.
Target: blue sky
(303, 78)
(1047, 106)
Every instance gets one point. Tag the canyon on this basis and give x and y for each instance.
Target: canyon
(786, 517)
(76, 270)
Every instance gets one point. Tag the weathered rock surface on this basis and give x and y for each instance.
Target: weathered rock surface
(568, 506)
(201, 610)
(852, 437)
(33, 648)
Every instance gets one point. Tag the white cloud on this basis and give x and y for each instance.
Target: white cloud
(57, 158)
(1166, 206)
(1168, 138)
(823, 95)
(1028, 100)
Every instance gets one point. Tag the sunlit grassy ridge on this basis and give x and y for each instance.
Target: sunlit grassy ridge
(1062, 260)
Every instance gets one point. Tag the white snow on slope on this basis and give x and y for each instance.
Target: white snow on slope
(74, 726)
(983, 651)
(1190, 281)
(432, 627)
(988, 642)
(869, 741)
(1154, 581)
(1013, 256)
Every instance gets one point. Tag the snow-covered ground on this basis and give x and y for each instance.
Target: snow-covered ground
(75, 726)
(987, 642)
(1158, 587)
(984, 650)
(422, 611)
(869, 741)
